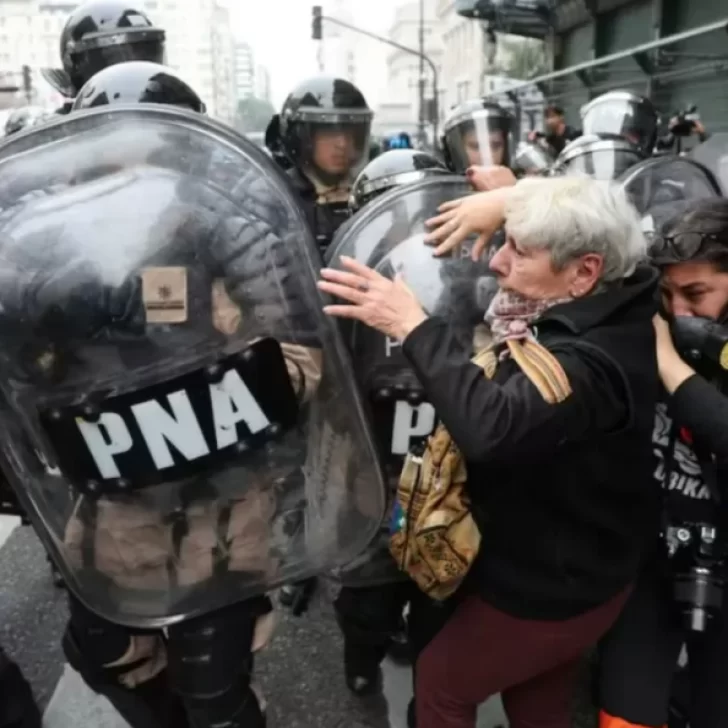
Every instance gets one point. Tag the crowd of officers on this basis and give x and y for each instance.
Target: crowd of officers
(112, 54)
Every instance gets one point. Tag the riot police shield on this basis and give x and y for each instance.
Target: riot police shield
(388, 236)
(176, 411)
(713, 156)
(659, 186)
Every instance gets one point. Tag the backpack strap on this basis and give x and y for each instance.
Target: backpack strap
(542, 368)
(440, 441)
(535, 361)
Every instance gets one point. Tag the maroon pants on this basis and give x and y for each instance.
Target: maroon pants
(481, 652)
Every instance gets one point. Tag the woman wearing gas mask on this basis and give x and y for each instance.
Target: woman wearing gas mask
(679, 600)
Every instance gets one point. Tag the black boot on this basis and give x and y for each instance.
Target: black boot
(399, 650)
(362, 666)
(297, 597)
(18, 708)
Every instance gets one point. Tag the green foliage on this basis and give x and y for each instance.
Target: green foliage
(524, 59)
(253, 114)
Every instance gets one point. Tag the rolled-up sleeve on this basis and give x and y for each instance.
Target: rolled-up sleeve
(495, 422)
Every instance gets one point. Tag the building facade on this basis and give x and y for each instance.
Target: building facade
(263, 89)
(199, 45)
(244, 71)
(339, 49)
(400, 109)
(675, 76)
(30, 35)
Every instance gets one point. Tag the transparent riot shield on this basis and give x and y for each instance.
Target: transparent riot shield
(659, 187)
(388, 236)
(176, 411)
(713, 156)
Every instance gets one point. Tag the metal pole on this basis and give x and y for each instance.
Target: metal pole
(621, 55)
(404, 49)
(423, 114)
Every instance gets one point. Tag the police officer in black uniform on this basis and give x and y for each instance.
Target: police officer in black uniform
(323, 133)
(98, 648)
(372, 593)
(620, 130)
(99, 34)
(17, 705)
(321, 139)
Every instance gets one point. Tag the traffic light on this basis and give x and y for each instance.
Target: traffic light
(316, 29)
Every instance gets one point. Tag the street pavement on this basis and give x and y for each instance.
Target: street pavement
(300, 672)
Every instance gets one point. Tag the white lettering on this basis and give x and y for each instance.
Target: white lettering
(704, 493)
(411, 422)
(690, 487)
(115, 440)
(390, 344)
(232, 402)
(181, 428)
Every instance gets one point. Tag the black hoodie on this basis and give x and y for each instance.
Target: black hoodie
(563, 494)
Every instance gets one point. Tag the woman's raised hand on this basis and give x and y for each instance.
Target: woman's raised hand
(480, 214)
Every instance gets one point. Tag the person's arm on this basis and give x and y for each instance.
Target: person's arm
(699, 406)
(500, 423)
(696, 404)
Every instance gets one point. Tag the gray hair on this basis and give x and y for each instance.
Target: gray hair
(575, 215)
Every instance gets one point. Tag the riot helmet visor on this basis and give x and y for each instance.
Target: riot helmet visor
(602, 159)
(531, 159)
(95, 59)
(334, 143)
(394, 168)
(625, 116)
(478, 137)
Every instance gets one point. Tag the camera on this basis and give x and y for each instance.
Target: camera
(698, 554)
(684, 121)
(701, 342)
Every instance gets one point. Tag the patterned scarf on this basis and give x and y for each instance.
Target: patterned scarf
(510, 314)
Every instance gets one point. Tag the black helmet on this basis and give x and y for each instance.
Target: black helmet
(477, 132)
(624, 115)
(392, 169)
(137, 82)
(25, 117)
(326, 105)
(100, 34)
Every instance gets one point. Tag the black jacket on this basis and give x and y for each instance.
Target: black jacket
(323, 219)
(563, 494)
(557, 142)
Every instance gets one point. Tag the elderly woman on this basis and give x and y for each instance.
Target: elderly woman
(562, 493)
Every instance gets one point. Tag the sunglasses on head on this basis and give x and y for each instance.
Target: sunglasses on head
(682, 246)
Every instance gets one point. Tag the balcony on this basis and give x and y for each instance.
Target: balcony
(528, 18)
